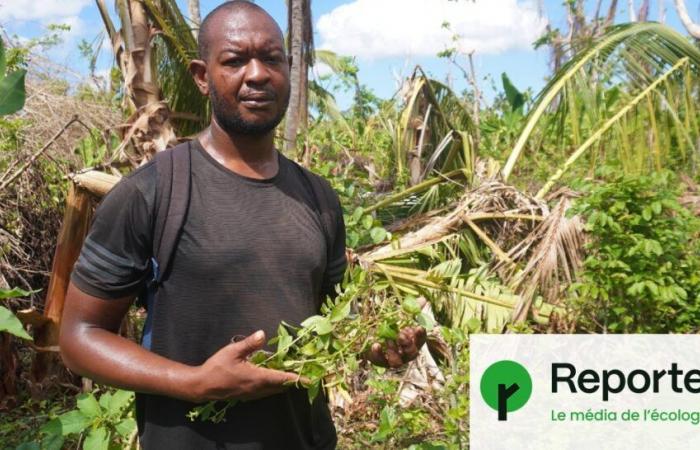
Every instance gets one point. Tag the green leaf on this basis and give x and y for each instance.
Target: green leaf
(340, 311)
(28, 446)
(514, 97)
(283, 345)
(377, 234)
(313, 391)
(10, 323)
(311, 321)
(52, 442)
(12, 93)
(357, 214)
(73, 422)
(87, 404)
(323, 326)
(367, 222)
(313, 371)
(52, 427)
(15, 293)
(309, 349)
(97, 439)
(425, 321)
(258, 357)
(126, 427)
(473, 324)
(387, 421)
(410, 305)
(119, 401)
(388, 331)
(104, 400)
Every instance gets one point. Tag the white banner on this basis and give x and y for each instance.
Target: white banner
(584, 392)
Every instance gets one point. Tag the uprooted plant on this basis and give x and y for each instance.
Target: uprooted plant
(326, 349)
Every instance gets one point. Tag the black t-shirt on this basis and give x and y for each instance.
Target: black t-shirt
(252, 253)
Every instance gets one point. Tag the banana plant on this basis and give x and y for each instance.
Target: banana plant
(12, 89)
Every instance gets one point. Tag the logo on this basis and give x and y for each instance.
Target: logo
(506, 387)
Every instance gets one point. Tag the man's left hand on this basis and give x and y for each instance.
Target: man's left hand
(397, 353)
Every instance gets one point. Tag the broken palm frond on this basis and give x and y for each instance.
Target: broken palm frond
(434, 131)
(452, 258)
(550, 256)
(626, 60)
(451, 176)
(649, 90)
(149, 131)
(490, 199)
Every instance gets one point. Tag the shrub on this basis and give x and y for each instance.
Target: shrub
(642, 273)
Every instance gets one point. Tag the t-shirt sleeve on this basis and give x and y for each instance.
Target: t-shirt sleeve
(113, 262)
(337, 262)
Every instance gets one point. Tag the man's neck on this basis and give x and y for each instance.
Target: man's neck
(250, 156)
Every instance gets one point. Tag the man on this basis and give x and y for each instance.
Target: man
(251, 254)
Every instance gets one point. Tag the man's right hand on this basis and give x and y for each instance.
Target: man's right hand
(91, 346)
(228, 375)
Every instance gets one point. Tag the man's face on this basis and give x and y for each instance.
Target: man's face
(247, 73)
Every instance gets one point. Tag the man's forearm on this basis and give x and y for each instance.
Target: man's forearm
(91, 347)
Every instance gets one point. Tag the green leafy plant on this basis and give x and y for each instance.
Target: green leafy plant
(104, 423)
(326, 348)
(8, 321)
(642, 273)
(12, 91)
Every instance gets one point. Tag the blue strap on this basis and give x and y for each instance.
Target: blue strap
(151, 291)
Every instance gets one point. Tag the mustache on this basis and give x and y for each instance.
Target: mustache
(258, 94)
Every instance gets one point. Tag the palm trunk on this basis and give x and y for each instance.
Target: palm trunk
(662, 11)
(692, 27)
(610, 18)
(630, 7)
(150, 127)
(195, 16)
(296, 49)
(301, 42)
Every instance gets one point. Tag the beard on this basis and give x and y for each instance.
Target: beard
(230, 120)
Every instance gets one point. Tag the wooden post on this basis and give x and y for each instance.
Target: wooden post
(76, 221)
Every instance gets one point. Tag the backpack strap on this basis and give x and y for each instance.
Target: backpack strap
(172, 200)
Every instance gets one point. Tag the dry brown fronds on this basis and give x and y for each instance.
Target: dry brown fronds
(552, 254)
(498, 208)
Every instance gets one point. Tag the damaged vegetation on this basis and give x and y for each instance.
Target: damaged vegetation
(572, 210)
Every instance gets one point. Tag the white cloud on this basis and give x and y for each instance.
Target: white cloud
(44, 10)
(321, 69)
(378, 29)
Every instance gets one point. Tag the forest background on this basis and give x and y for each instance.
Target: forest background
(472, 204)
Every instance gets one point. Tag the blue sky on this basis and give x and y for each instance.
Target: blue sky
(387, 37)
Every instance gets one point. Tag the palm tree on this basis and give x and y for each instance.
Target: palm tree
(153, 48)
(300, 42)
(195, 16)
(692, 27)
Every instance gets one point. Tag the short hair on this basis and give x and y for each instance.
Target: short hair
(203, 39)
